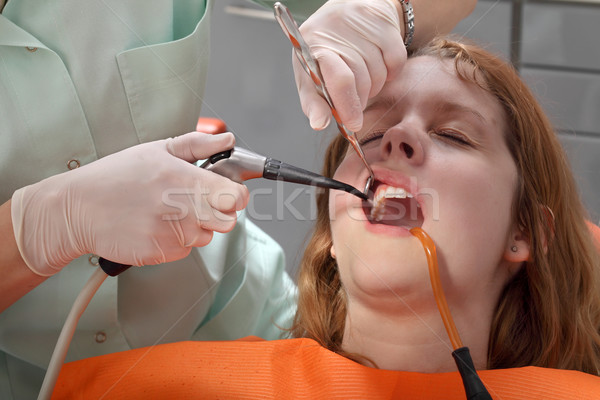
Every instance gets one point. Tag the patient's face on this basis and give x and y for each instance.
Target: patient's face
(437, 138)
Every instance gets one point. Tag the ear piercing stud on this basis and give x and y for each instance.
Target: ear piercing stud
(514, 249)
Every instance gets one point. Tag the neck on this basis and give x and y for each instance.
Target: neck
(414, 340)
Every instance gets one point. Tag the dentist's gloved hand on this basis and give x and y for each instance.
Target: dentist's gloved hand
(358, 45)
(144, 205)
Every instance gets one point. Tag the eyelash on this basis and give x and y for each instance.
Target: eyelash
(371, 136)
(453, 136)
(444, 134)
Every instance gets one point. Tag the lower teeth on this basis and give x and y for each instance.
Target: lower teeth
(377, 210)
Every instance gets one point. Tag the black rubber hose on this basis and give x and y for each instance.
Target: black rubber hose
(474, 388)
(280, 171)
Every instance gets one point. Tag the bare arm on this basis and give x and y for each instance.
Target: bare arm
(17, 279)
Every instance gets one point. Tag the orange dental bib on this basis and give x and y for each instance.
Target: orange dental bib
(252, 368)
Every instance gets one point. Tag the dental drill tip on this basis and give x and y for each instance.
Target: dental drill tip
(358, 193)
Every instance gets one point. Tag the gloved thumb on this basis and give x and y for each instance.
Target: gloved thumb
(196, 146)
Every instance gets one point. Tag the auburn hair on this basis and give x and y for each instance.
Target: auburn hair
(549, 314)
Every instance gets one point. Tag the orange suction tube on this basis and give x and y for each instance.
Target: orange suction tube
(436, 285)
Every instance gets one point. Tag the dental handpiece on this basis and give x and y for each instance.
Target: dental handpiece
(240, 164)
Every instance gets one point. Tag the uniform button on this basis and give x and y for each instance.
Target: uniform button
(31, 49)
(100, 337)
(72, 164)
(94, 260)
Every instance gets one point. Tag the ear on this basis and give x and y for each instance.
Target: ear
(332, 251)
(517, 248)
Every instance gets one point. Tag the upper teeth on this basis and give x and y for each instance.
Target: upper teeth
(391, 192)
(386, 192)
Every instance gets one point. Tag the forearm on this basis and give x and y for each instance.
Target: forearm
(17, 279)
(433, 17)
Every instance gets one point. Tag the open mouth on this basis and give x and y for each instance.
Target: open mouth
(394, 206)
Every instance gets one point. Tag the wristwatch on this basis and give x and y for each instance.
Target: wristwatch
(409, 22)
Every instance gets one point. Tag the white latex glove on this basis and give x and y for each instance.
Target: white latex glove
(144, 205)
(358, 45)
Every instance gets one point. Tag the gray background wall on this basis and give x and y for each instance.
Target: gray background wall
(251, 87)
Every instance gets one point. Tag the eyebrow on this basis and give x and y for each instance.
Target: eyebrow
(384, 103)
(450, 107)
(389, 102)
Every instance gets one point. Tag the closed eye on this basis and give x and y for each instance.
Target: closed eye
(372, 136)
(453, 136)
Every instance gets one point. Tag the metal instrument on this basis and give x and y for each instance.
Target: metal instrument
(302, 51)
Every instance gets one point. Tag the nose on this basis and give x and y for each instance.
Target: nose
(402, 142)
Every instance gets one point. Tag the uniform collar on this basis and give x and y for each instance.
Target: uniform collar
(12, 35)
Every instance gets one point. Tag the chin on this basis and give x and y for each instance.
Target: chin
(401, 273)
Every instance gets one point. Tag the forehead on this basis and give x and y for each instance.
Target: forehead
(433, 82)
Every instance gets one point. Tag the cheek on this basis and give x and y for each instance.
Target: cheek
(339, 226)
(345, 212)
(481, 202)
(344, 206)
(479, 206)
(495, 198)
(347, 170)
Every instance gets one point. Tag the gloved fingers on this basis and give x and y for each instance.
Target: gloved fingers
(378, 74)
(201, 238)
(196, 146)
(197, 228)
(313, 104)
(164, 246)
(366, 64)
(117, 206)
(164, 255)
(190, 234)
(210, 219)
(227, 197)
(355, 43)
(161, 255)
(186, 233)
(345, 87)
(394, 55)
(211, 203)
(389, 37)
